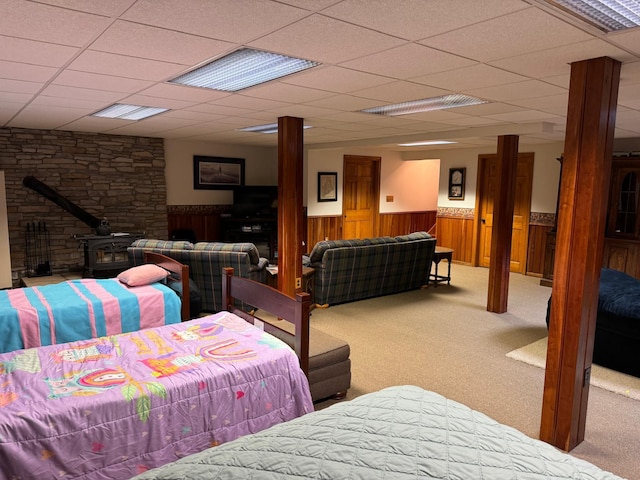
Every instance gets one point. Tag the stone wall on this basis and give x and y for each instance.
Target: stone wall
(118, 177)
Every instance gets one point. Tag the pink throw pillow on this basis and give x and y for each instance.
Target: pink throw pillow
(142, 275)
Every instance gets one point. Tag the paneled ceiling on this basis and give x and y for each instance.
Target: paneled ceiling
(62, 60)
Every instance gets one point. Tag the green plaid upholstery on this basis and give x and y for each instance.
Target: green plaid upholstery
(372, 267)
(162, 244)
(206, 262)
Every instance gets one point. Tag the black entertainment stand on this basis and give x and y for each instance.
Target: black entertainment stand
(252, 229)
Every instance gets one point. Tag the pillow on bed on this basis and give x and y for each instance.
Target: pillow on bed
(143, 275)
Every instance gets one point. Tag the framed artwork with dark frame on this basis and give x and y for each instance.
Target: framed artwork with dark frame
(327, 186)
(456, 183)
(215, 173)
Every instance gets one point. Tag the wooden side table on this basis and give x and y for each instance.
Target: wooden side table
(441, 253)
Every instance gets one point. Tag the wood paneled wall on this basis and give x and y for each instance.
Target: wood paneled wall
(536, 248)
(451, 231)
(457, 233)
(391, 224)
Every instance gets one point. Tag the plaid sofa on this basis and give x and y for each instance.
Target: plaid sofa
(348, 270)
(206, 261)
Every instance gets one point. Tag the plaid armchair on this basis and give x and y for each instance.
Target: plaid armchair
(206, 261)
(348, 270)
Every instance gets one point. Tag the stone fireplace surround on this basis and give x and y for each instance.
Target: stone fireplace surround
(118, 177)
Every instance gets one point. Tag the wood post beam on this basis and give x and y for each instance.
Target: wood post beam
(290, 192)
(503, 200)
(584, 187)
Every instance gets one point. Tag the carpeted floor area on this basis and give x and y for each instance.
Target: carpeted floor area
(536, 354)
(443, 339)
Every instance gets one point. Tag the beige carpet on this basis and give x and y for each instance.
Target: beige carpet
(536, 354)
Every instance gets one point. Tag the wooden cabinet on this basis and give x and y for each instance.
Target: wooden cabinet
(622, 240)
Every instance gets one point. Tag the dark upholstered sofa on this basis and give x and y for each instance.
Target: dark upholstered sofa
(617, 338)
(206, 261)
(349, 270)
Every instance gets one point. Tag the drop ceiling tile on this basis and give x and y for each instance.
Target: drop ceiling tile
(627, 39)
(24, 71)
(63, 91)
(218, 109)
(126, 38)
(227, 20)
(12, 97)
(19, 86)
(407, 61)
(35, 53)
(124, 66)
(342, 102)
(522, 116)
(72, 78)
(325, 40)
(88, 105)
(514, 34)
(46, 116)
(475, 76)
(183, 92)
(146, 101)
(95, 124)
(335, 79)
(418, 19)
(112, 8)
(554, 104)
(250, 103)
(46, 23)
(515, 91)
(557, 61)
(286, 92)
(396, 92)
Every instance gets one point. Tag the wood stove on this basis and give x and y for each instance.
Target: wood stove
(106, 253)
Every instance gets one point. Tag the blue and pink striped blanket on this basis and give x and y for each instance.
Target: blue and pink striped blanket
(80, 310)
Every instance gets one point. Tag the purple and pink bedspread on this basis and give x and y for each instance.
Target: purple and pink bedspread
(116, 406)
(81, 309)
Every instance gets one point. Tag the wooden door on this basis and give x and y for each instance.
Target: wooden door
(360, 198)
(521, 210)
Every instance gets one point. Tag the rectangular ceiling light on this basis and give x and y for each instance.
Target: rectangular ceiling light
(128, 112)
(242, 69)
(269, 128)
(426, 105)
(428, 142)
(607, 15)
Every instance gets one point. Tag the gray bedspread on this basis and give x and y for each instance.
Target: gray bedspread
(397, 433)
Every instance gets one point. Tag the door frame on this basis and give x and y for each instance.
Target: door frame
(481, 171)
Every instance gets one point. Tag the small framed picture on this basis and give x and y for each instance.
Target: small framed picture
(327, 186)
(217, 172)
(456, 183)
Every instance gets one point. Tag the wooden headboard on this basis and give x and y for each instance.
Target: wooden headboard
(282, 306)
(179, 272)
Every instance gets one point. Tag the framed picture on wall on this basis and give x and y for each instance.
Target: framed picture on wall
(456, 183)
(217, 172)
(327, 186)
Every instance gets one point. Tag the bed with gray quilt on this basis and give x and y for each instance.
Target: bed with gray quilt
(399, 433)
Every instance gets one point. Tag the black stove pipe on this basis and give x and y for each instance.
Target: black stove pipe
(55, 197)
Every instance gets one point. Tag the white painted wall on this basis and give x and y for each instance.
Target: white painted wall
(261, 168)
(546, 174)
(413, 185)
(418, 181)
(5, 254)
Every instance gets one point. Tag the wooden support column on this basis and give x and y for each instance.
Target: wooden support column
(504, 197)
(584, 187)
(290, 191)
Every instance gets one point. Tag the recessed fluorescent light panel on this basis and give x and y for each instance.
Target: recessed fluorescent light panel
(128, 112)
(269, 128)
(242, 69)
(608, 15)
(426, 105)
(429, 142)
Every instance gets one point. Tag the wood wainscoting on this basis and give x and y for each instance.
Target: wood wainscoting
(391, 224)
(536, 248)
(456, 231)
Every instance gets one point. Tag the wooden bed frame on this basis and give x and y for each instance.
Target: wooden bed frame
(178, 272)
(264, 297)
